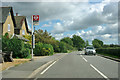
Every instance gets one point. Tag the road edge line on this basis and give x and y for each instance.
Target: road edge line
(110, 58)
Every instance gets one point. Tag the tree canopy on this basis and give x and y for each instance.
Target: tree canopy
(97, 43)
(67, 40)
(78, 41)
(87, 43)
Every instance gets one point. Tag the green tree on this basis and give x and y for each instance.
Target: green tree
(78, 41)
(29, 38)
(63, 47)
(97, 43)
(46, 38)
(67, 40)
(87, 43)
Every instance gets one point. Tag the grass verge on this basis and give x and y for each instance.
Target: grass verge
(110, 55)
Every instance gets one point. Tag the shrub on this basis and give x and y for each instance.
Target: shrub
(0, 44)
(47, 49)
(43, 49)
(25, 53)
(5, 44)
(27, 45)
(38, 49)
(16, 46)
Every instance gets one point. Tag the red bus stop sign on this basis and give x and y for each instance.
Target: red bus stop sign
(35, 19)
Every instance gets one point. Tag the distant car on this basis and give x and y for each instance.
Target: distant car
(80, 49)
(90, 50)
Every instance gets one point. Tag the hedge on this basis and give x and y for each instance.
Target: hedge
(109, 51)
(18, 47)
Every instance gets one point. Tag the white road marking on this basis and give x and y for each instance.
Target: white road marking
(48, 67)
(109, 59)
(84, 59)
(99, 72)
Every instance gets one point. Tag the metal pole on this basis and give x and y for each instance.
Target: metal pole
(32, 37)
(34, 29)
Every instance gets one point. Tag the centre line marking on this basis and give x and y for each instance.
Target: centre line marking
(85, 59)
(48, 67)
(99, 72)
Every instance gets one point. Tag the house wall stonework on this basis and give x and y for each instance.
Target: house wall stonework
(23, 28)
(5, 25)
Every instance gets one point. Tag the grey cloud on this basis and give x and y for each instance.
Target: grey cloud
(95, 18)
(111, 8)
(82, 18)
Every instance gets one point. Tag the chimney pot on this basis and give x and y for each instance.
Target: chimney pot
(16, 14)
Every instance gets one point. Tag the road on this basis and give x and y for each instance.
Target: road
(78, 65)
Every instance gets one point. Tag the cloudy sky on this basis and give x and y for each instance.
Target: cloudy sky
(90, 19)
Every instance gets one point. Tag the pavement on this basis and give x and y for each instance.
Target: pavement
(1, 59)
(26, 69)
(75, 66)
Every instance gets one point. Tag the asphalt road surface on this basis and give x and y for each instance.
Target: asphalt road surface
(78, 65)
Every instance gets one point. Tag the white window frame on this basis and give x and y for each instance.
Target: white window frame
(8, 27)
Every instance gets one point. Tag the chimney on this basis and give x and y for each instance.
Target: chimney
(16, 14)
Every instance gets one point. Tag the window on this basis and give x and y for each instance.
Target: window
(89, 48)
(8, 27)
(9, 13)
(23, 32)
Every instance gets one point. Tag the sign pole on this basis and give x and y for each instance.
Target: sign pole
(35, 21)
(32, 37)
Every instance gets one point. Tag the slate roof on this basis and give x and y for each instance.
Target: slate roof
(19, 21)
(4, 12)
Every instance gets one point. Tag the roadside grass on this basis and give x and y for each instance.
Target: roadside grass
(29, 57)
(21, 63)
(69, 51)
(15, 63)
(109, 55)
